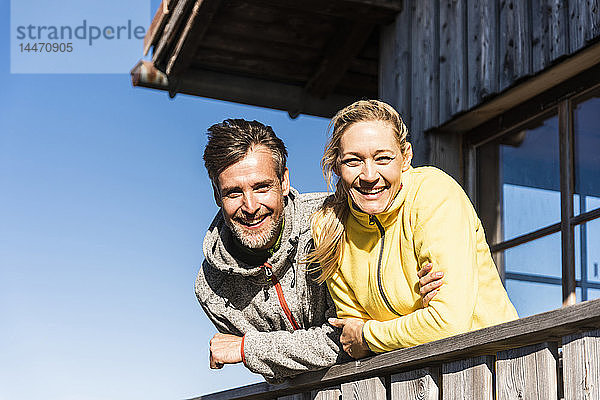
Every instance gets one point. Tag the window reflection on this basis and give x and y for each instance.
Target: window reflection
(539, 257)
(530, 178)
(547, 296)
(586, 118)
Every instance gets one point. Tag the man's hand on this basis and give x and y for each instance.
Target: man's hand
(352, 337)
(429, 282)
(225, 349)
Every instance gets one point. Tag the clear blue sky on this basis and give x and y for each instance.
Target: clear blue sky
(104, 203)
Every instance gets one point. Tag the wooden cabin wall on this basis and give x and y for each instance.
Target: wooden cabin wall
(441, 58)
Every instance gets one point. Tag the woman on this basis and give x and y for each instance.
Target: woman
(386, 221)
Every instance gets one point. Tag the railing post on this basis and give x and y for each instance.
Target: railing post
(366, 389)
(527, 372)
(420, 384)
(581, 366)
(468, 379)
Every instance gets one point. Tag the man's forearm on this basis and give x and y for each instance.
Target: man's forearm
(282, 354)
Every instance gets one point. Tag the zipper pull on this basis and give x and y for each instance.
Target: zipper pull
(269, 278)
(268, 273)
(371, 220)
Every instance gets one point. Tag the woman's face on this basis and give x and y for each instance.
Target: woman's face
(371, 165)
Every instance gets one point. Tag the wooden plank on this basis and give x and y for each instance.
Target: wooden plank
(371, 11)
(170, 34)
(470, 174)
(453, 58)
(395, 64)
(549, 32)
(581, 366)
(158, 24)
(365, 389)
(298, 396)
(420, 384)
(542, 106)
(277, 33)
(468, 379)
(249, 64)
(584, 22)
(567, 165)
(482, 31)
(193, 32)
(527, 373)
(364, 66)
(425, 77)
(515, 42)
(259, 47)
(527, 90)
(358, 85)
(269, 13)
(447, 153)
(333, 393)
(341, 49)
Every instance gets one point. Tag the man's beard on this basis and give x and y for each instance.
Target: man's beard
(256, 240)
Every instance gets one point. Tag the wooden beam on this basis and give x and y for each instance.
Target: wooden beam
(341, 50)
(158, 24)
(549, 326)
(195, 28)
(245, 90)
(567, 166)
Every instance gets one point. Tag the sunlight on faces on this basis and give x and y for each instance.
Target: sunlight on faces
(251, 197)
(371, 165)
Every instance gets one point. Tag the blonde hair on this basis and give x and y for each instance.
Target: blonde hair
(327, 224)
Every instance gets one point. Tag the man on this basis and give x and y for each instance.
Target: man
(253, 286)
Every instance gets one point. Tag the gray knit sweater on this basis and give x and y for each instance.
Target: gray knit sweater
(239, 299)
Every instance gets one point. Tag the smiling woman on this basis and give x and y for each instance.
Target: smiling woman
(371, 166)
(385, 222)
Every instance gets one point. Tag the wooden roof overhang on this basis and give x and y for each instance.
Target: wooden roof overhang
(301, 56)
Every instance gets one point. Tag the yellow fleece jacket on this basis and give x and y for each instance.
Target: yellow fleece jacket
(430, 220)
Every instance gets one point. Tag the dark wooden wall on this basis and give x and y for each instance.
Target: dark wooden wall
(442, 58)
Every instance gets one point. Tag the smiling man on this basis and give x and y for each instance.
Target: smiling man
(270, 312)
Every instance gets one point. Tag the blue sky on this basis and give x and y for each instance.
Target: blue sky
(103, 208)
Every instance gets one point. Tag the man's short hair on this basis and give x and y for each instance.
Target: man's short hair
(230, 141)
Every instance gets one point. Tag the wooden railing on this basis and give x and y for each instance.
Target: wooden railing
(546, 356)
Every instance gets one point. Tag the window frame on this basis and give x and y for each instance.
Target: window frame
(561, 101)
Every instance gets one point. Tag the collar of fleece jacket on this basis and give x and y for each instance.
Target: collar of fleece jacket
(220, 251)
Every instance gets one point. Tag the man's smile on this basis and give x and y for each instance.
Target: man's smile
(253, 222)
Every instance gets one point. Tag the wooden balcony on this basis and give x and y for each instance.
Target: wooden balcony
(546, 356)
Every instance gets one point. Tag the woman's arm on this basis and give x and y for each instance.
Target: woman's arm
(443, 223)
(444, 233)
(352, 317)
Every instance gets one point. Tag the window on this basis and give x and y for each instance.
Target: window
(538, 195)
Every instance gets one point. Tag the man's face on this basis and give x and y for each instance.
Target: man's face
(251, 197)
